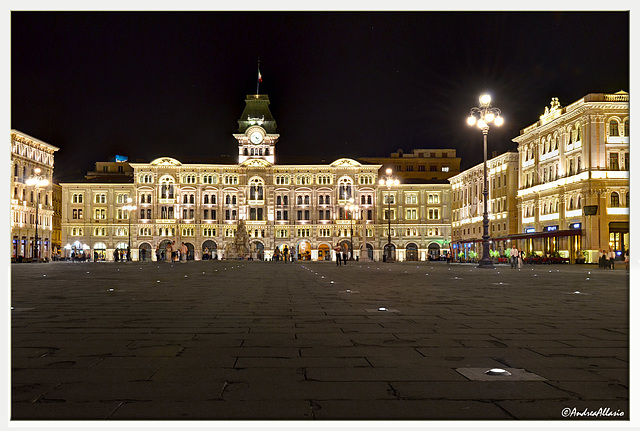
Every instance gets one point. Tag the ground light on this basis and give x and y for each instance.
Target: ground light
(497, 372)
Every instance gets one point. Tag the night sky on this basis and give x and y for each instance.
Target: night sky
(341, 84)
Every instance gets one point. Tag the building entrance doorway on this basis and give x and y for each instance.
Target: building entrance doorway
(324, 252)
(412, 252)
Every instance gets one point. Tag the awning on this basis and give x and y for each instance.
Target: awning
(554, 233)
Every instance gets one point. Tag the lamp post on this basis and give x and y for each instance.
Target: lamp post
(353, 209)
(482, 116)
(389, 181)
(36, 181)
(129, 207)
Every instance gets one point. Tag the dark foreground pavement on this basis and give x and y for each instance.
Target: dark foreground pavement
(256, 340)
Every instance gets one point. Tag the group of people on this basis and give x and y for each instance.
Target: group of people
(284, 255)
(120, 255)
(341, 256)
(606, 259)
(172, 253)
(516, 257)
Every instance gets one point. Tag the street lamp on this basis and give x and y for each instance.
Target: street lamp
(36, 181)
(389, 181)
(482, 116)
(353, 209)
(129, 207)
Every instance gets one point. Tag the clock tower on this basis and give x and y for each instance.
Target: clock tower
(256, 126)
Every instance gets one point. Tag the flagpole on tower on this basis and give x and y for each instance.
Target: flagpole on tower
(259, 78)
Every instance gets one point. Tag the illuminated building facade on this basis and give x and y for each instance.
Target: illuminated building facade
(28, 155)
(573, 193)
(467, 206)
(420, 220)
(420, 164)
(307, 208)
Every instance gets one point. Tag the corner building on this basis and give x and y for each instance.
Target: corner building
(27, 155)
(307, 208)
(573, 194)
(468, 206)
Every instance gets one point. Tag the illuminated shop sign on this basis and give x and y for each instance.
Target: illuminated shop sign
(576, 225)
(550, 228)
(529, 230)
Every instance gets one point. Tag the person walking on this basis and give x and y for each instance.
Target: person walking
(520, 257)
(626, 259)
(285, 253)
(183, 253)
(612, 259)
(514, 255)
(344, 257)
(600, 258)
(168, 252)
(338, 256)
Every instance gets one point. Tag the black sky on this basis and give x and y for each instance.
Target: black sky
(341, 84)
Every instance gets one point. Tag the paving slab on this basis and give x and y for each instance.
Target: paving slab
(258, 340)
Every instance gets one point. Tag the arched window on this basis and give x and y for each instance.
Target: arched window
(613, 128)
(256, 189)
(615, 200)
(206, 199)
(344, 189)
(166, 188)
(626, 128)
(626, 200)
(570, 135)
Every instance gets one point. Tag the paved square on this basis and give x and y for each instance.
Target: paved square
(260, 340)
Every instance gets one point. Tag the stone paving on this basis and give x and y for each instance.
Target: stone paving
(259, 340)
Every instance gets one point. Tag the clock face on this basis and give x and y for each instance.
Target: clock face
(256, 137)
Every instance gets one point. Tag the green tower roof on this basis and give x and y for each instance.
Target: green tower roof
(256, 112)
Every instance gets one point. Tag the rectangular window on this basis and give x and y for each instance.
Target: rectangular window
(206, 214)
(149, 213)
(613, 162)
